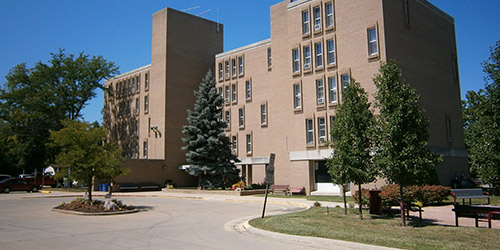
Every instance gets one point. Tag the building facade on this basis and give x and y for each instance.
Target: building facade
(281, 94)
(145, 108)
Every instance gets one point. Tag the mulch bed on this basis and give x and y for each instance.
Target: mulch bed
(97, 206)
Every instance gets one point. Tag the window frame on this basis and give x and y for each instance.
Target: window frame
(310, 132)
(322, 135)
(227, 118)
(297, 96)
(241, 117)
(332, 90)
(331, 53)
(226, 69)
(234, 144)
(249, 144)
(234, 93)
(329, 17)
(372, 38)
(306, 22)
(306, 50)
(248, 90)
(320, 91)
(263, 114)
(221, 71)
(269, 58)
(241, 65)
(296, 60)
(146, 81)
(227, 94)
(146, 104)
(233, 67)
(318, 55)
(317, 27)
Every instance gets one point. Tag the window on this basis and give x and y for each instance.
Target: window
(309, 132)
(305, 22)
(233, 67)
(136, 151)
(133, 85)
(345, 80)
(329, 19)
(145, 149)
(330, 47)
(320, 92)
(248, 90)
(240, 63)
(129, 87)
(234, 144)
(317, 18)
(234, 93)
(319, 54)
(455, 68)
(269, 58)
(137, 128)
(249, 143)
(406, 12)
(332, 89)
(307, 57)
(296, 60)
(332, 119)
(226, 69)
(219, 90)
(227, 115)
(263, 114)
(297, 96)
(137, 105)
(146, 104)
(372, 41)
(448, 130)
(138, 83)
(321, 130)
(221, 70)
(226, 94)
(146, 81)
(241, 117)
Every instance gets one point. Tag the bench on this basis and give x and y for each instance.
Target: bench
(469, 193)
(297, 190)
(413, 208)
(479, 213)
(280, 188)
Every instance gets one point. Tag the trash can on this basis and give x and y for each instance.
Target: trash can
(100, 187)
(375, 201)
(105, 187)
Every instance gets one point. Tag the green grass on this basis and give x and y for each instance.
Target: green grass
(312, 198)
(381, 231)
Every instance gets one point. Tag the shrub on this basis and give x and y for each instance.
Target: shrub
(389, 194)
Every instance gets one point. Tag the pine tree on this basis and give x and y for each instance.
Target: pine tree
(208, 148)
(402, 134)
(352, 141)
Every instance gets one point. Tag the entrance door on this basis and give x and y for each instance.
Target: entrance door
(322, 179)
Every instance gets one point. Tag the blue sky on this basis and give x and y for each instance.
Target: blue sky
(120, 31)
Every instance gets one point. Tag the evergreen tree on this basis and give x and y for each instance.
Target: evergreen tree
(208, 148)
(402, 133)
(482, 122)
(351, 140)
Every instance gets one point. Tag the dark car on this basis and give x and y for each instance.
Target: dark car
(4, 176)
(16, 184)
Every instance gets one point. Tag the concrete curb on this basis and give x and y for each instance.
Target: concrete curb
(95, 214)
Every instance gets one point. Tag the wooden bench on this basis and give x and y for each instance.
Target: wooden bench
(280, 188)
(297, 190)
(413, 208)
(469, 193)
(479, 213)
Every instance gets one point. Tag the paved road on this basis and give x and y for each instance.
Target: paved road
(168, 222)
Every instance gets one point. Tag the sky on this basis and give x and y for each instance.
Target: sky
(120, 31)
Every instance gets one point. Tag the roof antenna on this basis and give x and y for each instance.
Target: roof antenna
(203, 12)
(217, 20)
(192, 8)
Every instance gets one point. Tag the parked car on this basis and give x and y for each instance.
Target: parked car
(4, 176)
(36, 178)
(16, 184)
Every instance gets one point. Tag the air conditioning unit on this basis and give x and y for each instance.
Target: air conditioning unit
(307, 66)
(317, 27)
(321, 101)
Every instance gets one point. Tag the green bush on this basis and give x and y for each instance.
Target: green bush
(427, 194)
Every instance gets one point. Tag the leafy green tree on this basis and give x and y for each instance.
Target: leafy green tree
(402, 135)
(35, 100)
(208, 149)
(84, 150)
(352, 142)
(482, 123)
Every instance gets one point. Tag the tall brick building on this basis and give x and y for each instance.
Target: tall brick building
(281, 94)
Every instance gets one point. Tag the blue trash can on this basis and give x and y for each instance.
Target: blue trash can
(100, 187)
(105, 187)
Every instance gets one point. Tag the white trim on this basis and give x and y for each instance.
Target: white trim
(297, 3)
(262, 160)
(244, 48)
(310, 155)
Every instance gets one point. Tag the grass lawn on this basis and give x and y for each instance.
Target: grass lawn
(382, 231)
(312, 198)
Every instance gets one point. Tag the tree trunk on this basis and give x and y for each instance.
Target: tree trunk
(360, 203)
(89, 189)
(345, 200)
(403, 218)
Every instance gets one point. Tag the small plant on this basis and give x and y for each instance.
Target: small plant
(317, 204)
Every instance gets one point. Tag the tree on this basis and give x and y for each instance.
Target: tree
(35, 100)
(84, 150)
(481, 123)
(352, 132)
(208, 149)
(402, 133)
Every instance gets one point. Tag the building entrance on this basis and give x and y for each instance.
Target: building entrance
(322, 180)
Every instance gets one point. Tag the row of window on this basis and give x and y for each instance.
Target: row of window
(327, 10)
(129, 86)
(231, 68)
(319, 56)
(248, 144)
(328, 93)
(241, 116)
(321, 128)
(230, 92)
